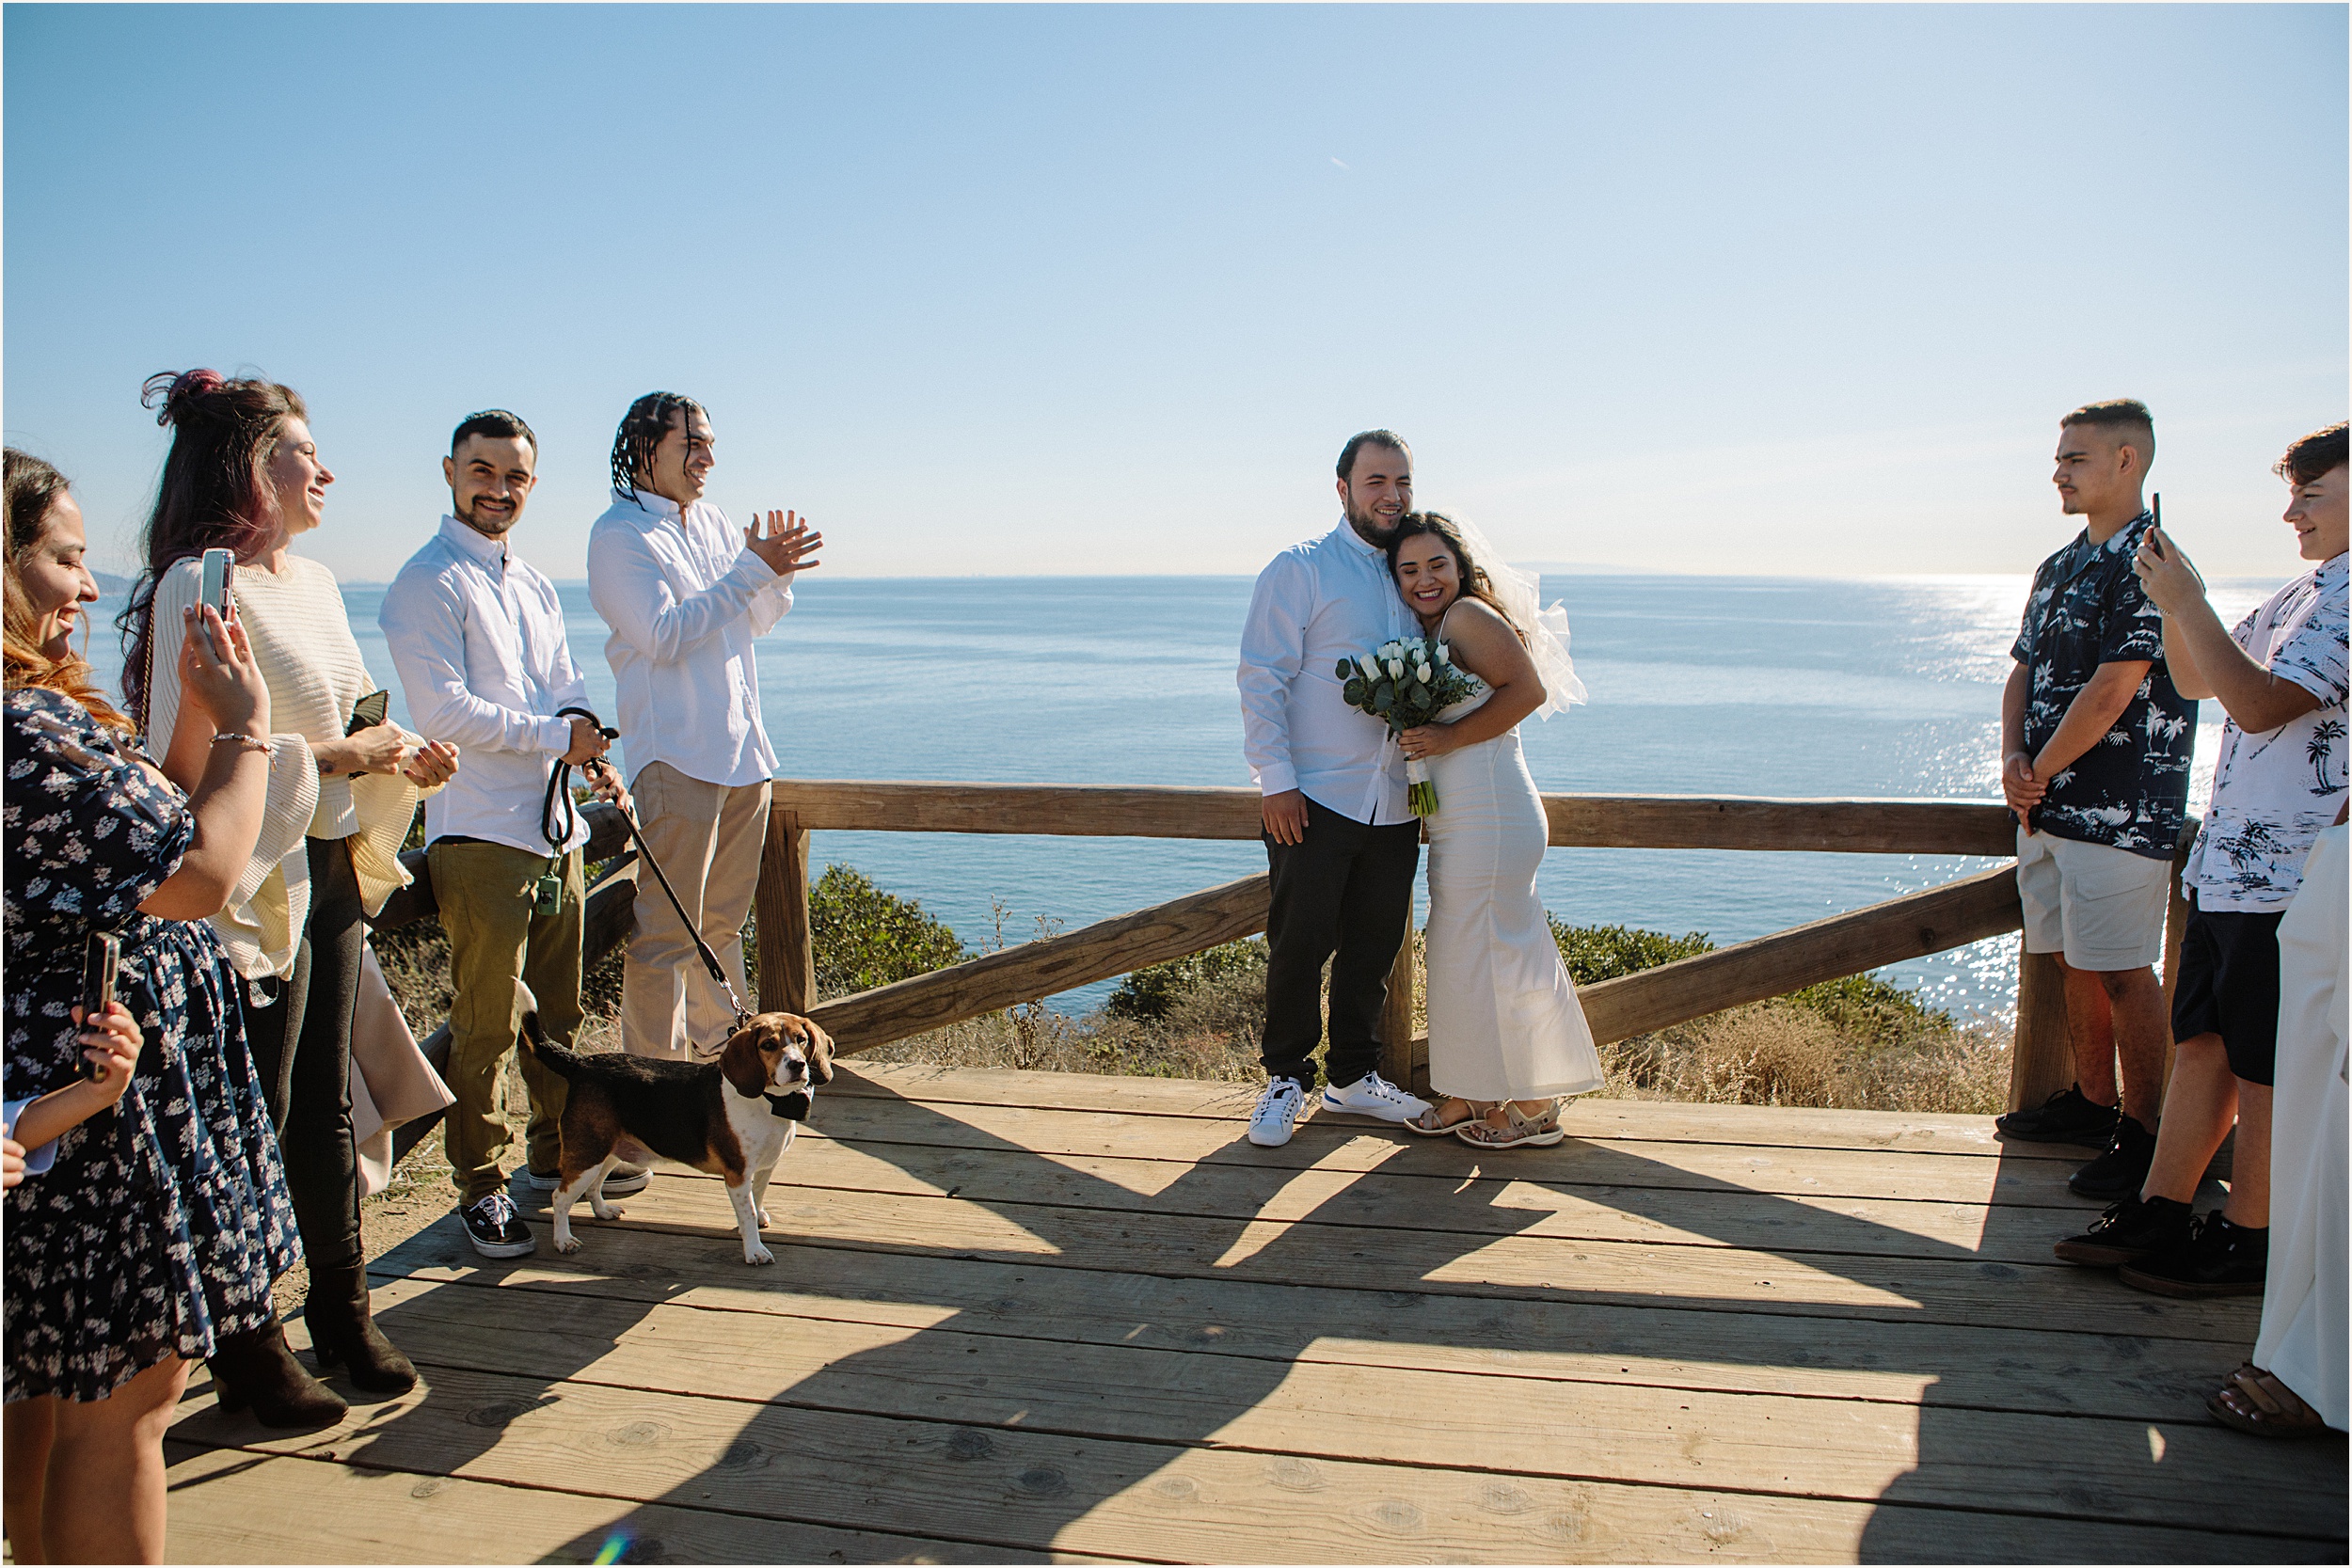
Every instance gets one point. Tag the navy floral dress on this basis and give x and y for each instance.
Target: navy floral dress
(163, 1221)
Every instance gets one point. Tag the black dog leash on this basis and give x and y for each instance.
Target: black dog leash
(559, 817)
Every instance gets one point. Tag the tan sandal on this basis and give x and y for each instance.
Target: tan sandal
(1431, 1123)
(2253, 1401)
(1523, 1131)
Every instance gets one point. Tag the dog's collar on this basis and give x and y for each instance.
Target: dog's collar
(791, 1107)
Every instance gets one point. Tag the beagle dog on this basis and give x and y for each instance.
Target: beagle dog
(733, 1117)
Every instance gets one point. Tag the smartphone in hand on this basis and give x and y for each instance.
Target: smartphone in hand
(2156, 526)
(218, 590)
(102, 959)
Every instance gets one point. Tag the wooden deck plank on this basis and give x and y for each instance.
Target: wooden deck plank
(1757, 1126)
(1728, 1279)
(1500, 1203)
(1340, 1142)
(1013, 1488)
(1984, 1366)
(1016, 1315)
(232, 1505)
(2070, 1467)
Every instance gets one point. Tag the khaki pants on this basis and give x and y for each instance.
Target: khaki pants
(485, 891)
(708, 838)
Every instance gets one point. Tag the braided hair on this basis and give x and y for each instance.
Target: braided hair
(642, 429)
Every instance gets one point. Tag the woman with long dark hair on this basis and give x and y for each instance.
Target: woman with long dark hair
(244, 473)
(1507, 1035)
(162, 1217)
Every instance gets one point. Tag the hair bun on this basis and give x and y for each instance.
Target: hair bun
(170, 393)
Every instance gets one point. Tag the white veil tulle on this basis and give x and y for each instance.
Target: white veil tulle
(1547, 630)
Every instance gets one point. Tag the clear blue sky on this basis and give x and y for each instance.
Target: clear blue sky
(1065, 289)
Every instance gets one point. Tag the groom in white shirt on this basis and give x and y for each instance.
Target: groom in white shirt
(477, 634)
(686, 594)
(1341, 844)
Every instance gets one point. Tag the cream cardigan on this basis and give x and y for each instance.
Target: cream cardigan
(301, 638)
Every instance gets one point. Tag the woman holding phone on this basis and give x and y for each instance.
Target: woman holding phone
(152, 1224)
(244, 474)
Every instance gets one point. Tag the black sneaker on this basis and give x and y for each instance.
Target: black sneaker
(2123, 1170)
(2219, 1260)
(2131, 1229)
(2065, 1117)
(495, 1231)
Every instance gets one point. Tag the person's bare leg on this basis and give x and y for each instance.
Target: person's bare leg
(2199, 1106)
(24, 1464)
(2089, 1033)
(106, 1499)
(2250, 1165)
(2136, 1007)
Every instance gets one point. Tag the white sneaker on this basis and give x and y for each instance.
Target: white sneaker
(1276, 1114)
(619, 1181)
(1373, 1096)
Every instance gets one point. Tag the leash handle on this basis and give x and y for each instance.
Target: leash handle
(559, 792)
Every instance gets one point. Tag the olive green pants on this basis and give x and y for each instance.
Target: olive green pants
(486, 892)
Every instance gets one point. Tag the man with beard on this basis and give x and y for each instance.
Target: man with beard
(1341, 846)
(477, 634)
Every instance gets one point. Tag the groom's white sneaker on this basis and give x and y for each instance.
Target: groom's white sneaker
(1373, 1096)
(1271, 1123)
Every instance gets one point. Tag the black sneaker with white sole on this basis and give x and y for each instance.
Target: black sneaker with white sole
(495, 1231)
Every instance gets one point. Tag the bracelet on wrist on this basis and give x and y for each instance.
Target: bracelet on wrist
(243, 742)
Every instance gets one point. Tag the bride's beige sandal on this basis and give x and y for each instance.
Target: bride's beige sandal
(1431, 1123)
(1524, 1132)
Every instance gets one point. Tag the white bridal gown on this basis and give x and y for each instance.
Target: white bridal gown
(1503, 1019)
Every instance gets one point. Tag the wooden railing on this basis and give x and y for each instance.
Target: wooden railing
(1932, 921)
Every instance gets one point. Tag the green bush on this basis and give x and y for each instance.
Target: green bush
(865, 938)
(1597, 953)
(1150, 993)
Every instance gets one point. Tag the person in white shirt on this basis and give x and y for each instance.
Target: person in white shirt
(1341, 846)
(686, 596)
(476, 633)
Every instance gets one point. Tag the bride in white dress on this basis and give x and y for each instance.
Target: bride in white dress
(1507, 1034)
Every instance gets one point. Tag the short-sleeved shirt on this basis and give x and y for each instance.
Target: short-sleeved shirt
(2273, 792)
(2131, 790)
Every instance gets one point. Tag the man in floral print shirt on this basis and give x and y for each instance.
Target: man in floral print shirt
(2095, 748)
(2280, 676)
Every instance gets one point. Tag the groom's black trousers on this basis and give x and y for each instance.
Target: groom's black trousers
(1347, 890)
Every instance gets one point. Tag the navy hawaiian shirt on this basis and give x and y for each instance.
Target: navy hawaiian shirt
(2088, 608)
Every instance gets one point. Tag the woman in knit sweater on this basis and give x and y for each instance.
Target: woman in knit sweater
(244, 474)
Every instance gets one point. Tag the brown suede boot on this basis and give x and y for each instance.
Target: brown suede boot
(341, 1330)
(256, 1368)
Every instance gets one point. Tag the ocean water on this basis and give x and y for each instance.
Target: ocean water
(1702, 686)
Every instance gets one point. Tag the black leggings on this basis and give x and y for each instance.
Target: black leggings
(309, 1086)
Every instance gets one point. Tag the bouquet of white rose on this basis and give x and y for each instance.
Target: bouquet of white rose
(1406, 684)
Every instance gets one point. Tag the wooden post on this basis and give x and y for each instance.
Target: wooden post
(1397, 1055)
(787, 954)
(2041, 1058)
(2175, 926)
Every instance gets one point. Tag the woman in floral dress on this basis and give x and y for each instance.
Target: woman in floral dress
(161, 1224)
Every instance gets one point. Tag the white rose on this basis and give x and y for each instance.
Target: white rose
(1365, 665)
(1422, 673)
(1445, 654)
(1396, 669)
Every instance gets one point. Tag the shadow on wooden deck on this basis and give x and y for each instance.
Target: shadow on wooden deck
(1025, 1315)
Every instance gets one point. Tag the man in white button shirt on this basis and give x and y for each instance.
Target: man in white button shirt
(476, 633)
(686, 594)
(1341, 844)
